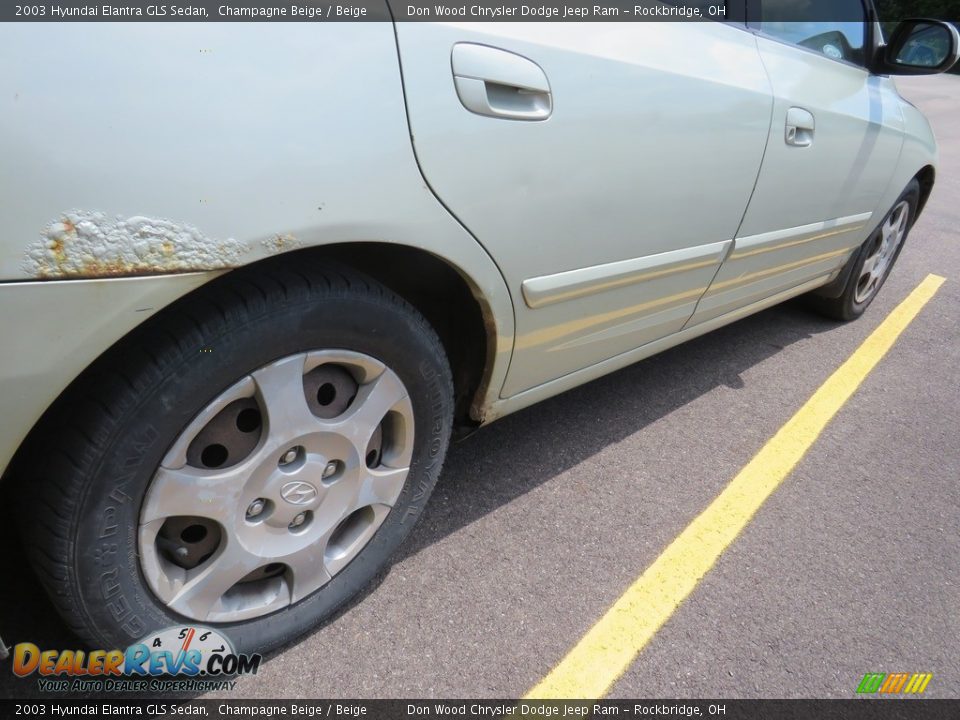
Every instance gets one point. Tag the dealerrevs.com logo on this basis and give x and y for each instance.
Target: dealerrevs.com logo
(180, 658)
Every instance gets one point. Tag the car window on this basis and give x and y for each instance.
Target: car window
(835, 28)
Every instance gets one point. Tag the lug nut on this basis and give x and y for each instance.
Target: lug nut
(289, 456)
(256, 507)
(331, 469)
(298, 520)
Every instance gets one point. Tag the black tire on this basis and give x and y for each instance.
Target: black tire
(90, 463)
(839, 301)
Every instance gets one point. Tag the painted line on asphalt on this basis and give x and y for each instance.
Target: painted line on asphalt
(610, 647)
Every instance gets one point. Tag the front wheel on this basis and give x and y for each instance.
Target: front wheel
(871, 264)
(249, 461)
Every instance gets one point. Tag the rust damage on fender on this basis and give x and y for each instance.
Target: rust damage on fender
(281, 243)
(89, 244)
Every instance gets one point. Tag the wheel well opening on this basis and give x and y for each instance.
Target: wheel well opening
(926, 178)
(442, 295)
(438, 291)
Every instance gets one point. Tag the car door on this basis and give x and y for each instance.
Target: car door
(604, 166)
(834, 141)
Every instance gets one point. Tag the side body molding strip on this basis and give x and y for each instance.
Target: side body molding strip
(790, 237)
(768, 263)
(547, 290)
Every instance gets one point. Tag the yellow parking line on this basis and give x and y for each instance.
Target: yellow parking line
(609, 647)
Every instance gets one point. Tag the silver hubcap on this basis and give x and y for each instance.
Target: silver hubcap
(276, 486)
(882, 252)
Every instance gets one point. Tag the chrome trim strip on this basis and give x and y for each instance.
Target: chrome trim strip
(546, 290)
(788, 237)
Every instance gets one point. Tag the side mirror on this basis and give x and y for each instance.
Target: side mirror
(920, 47)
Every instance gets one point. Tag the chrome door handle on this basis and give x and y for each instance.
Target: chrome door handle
(801, 126)
(500, 84)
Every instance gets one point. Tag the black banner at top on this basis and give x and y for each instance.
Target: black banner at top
(423, 11)
(489, 709)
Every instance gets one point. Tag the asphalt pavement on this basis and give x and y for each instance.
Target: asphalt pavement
(542, 520)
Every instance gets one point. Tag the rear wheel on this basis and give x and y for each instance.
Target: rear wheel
(248, 461)
(871, 265)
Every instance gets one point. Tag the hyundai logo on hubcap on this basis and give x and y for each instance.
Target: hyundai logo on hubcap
(298, 492)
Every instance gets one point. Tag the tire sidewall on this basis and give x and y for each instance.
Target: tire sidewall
(853, 309)
(111, 585)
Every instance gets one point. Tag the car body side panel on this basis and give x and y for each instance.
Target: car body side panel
(812, 205)
(54, 329)
(530, 397)
(144, 149)
(620, 206)
(919, 151)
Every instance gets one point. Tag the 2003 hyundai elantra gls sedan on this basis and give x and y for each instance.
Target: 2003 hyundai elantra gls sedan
(254, 275)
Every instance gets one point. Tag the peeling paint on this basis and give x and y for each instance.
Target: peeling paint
(281, 243)
(90, 244)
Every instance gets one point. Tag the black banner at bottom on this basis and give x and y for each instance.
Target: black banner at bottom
(908, 709)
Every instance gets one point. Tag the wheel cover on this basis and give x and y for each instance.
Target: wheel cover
(276, 486)
(882, 252)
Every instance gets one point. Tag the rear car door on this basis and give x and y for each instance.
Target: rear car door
(834, 141)
(604, 166)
